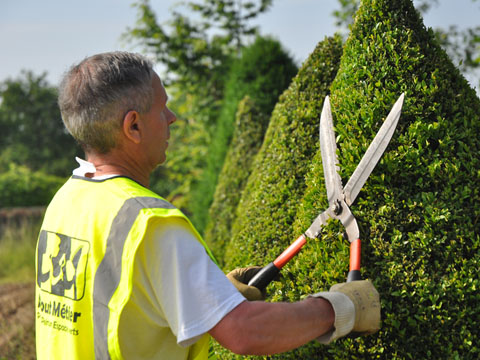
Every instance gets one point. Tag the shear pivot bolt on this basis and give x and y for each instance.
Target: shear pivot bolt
(337, 208)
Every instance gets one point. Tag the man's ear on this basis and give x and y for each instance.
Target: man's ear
(132, 127)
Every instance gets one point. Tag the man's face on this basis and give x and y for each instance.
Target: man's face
(157, 122)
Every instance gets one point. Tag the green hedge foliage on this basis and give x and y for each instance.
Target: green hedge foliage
(263, 71)
(250, 126)
(19, 186)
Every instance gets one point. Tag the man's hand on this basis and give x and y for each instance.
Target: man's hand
(366, 300)
(357, 309)
(240, 278)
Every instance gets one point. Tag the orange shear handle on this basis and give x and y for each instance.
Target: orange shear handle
(355, 255)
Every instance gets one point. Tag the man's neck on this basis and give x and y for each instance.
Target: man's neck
(116, 164)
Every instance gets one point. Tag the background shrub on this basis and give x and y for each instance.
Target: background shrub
(19, 186)
(263, 72)
(250, 126)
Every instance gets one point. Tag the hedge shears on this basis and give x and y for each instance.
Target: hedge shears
(339, 198)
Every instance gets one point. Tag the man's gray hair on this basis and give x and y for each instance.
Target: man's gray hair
(95, 95)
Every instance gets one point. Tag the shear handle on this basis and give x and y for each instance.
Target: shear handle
(269, 272)
(355, 254)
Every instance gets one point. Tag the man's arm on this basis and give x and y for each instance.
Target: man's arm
(259, 328)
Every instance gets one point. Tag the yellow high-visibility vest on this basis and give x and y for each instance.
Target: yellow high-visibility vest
(84, 263)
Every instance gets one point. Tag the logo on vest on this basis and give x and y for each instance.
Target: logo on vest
(62, 264)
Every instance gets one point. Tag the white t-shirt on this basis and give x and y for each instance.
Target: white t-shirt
(178, 293)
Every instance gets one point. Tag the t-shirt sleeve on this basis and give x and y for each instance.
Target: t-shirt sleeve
(190, 289)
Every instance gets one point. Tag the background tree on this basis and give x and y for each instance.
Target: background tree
(36, 152)
(196, 47)
(33, 134)
(232, 17)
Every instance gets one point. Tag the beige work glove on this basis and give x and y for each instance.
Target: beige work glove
(357, 309)
(240, 278)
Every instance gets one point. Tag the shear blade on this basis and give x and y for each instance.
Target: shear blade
(373, 153)
(328, 148)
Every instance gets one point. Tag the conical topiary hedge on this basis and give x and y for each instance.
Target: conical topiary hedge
(419, 212)
(268, 205)
(250, 126)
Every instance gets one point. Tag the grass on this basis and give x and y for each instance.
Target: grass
(17, 265)
(22, 347)
(17, 251)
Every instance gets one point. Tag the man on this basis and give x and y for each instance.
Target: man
(121, 273)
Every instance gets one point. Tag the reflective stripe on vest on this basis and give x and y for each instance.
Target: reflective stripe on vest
(108, 273)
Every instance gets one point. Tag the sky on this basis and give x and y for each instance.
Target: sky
(51, 35)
